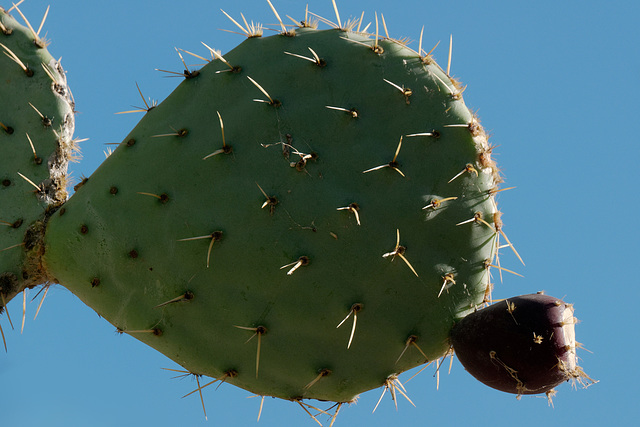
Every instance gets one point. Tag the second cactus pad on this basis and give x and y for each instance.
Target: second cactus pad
(304, 219)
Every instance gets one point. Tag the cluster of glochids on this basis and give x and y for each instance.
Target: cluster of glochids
(309, 181)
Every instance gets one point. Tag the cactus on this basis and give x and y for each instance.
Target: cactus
(305, 217)
(36, 144)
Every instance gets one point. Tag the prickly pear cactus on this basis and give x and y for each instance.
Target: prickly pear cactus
(36, 128)
(306, 217)
(305, 179)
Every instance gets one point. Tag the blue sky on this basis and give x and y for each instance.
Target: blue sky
(555, 83)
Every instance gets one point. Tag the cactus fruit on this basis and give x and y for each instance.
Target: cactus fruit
(522, 345)
(305, 217)
(36, 144)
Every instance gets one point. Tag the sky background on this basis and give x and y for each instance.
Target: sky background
(556, 84)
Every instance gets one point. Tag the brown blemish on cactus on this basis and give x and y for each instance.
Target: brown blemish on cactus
(6, 182)
(131, 142)
(133, 254)
(95, 282)
(113, 190)
(84, 229)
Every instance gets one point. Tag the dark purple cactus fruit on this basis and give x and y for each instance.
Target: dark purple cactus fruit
(521, 345)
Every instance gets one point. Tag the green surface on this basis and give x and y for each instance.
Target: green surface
(36, 127)
(118, 244)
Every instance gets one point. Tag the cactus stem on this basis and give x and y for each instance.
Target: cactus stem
(353, 207)
(448, 282)
(14, 58)
(355, 308)
(303, 260)
(187, 296)
(323, 373)
(436, 203)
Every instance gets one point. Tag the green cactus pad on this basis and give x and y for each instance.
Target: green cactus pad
(36, 128)
(302, 181)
